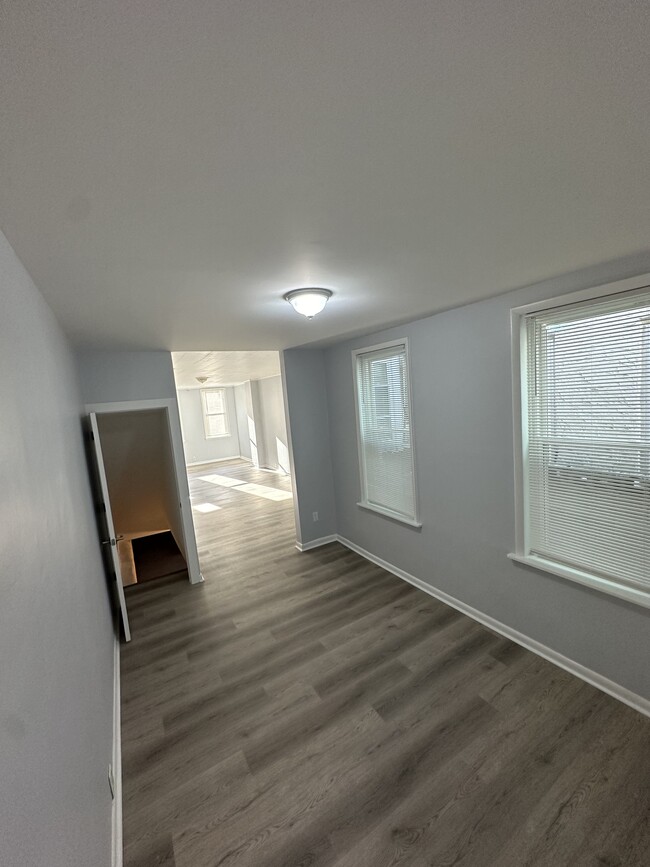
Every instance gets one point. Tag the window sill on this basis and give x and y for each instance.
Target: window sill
(637, 595)
(218, 437)
(386, 513)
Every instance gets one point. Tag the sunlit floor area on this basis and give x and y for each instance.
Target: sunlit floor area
(312, 709)
(207, 487)
(231, 508)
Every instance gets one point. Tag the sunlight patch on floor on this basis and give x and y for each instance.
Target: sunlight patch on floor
(247, 487)
(224, 481)
(206, 507)
(263, 491)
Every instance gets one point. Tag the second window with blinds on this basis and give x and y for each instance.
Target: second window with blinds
(383, 402)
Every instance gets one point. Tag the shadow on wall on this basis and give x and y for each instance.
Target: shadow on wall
(283, 456)
(252, 439)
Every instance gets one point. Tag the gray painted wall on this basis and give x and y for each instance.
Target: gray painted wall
(56, 638)
(309, 433)
(108, 377)
(463, 430)
(197, 447)
(274, 428)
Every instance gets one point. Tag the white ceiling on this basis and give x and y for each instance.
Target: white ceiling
(223, 368)
(169, 170)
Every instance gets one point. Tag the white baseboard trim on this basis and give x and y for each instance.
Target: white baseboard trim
(317, 543)
(217, 461)
(277, 470)
(617, 691)
(117, 855)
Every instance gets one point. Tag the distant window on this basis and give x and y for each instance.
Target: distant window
(585, 440)
(215, 414)
(384, 431)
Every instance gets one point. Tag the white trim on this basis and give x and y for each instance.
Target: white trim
(170, 405)
(519, 352)
(117, 842)
(219, 460)
(388, 513)
(317, 543)
(132, 405)
(277, 470)
(617, 691)
(413, 520)
(183, 492)
(204, 385)
(519, 421)
(628, 592)
(639, 283)
(111, 541)
(292, 468)
(228, 384)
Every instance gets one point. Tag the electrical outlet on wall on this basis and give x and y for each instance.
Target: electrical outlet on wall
(111, 781)
(314, 516)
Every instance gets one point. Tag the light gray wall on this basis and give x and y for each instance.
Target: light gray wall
(309, 433)
(197, 447)
(463, 429)
(274, 428)
(108, 377)
(241, 408)
(140, 472)
(56, 638)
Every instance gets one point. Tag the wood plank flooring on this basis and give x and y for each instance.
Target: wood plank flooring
(311, 709)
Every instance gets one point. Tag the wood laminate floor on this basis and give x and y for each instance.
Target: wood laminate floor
(311, 709)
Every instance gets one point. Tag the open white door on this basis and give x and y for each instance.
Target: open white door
(111, 541)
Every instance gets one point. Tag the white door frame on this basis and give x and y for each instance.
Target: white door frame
(98, 458)
(170, 406)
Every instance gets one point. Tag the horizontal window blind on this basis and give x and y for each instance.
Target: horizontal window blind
(588, 437)
(214, 412)
(385, 430)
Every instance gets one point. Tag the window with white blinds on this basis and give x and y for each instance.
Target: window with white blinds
(215, 415)
(586, 443)
(384, 431)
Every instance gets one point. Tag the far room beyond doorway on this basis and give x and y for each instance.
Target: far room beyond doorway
(235, 441)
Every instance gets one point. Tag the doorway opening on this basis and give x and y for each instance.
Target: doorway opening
(143, 494)
(135, 461)
(234, 431)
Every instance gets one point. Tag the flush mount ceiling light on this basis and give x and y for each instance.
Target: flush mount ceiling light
(308, 301)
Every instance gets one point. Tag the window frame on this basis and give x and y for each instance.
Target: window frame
(519, 348)
(206, 414)
(363, 503)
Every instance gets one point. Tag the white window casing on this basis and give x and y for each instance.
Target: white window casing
(215, 413)
(581, 393)
(385, 431)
